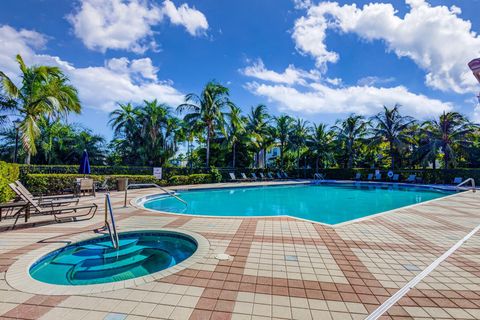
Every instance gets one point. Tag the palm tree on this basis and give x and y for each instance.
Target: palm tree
(235, 130)
(450, 134)
(124, 119)
(349, 132)
(45, 91)
(298, 137)
(320, 144)
(258, 129)
(390, 126)
(283, 127)
(208, 107)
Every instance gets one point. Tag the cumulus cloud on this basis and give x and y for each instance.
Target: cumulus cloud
(328, 96)
(374, 80)
(434, 37)
(290, 76)
(127, 24)
(101, 87)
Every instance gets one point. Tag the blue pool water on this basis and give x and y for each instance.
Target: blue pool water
(96, 261)
(327, 203)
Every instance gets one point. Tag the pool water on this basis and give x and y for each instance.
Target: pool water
(96, 261)
(326, 203)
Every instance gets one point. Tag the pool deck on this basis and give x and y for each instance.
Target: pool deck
(282, 267)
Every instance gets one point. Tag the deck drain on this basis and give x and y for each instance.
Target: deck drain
(223, 256)
(411, 267)
(291, 258)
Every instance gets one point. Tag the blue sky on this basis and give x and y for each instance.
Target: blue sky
(316, 60)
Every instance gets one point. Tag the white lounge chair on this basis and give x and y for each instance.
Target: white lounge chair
(370, 177)
(378, 176)
(244, 177)
(232, 177)
(262, 176)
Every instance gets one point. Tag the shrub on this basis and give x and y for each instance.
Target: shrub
(216, 175)
(190, 179)
(8, 173)
(59, 183)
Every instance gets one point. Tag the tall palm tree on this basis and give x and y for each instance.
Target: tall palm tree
(349, 132)
(449, 134)
(235, 130)
(390, 126)
(320, 143)
(124, 119)
(283, 127)
(44, 91)
(208, 107)
(299, 136)
(258, 129)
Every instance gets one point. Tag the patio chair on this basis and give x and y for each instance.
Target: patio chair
(56, 211)
(378, 176)
(285, 175)
(270, 176)
(232, 177)
(457, 180)
(358, 176)
(262, 176)
(254, 176)
(370, 177)
(102, 186)
(244, 177)
(279, 176)
(86, 186)
(57, 200)
(411, 178)
(396, 177)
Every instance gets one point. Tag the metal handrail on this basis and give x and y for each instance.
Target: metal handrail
(465, 182)
(113, 229)
(169, 192)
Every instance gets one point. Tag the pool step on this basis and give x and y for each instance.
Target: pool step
(103, 247)
(118, 255)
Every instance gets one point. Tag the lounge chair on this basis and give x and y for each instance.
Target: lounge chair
(270, 176)
(244, 177)
(285, 175)
(254, 176)
(86, 186)
(56, 211)
(396, 177)
(358, 176)
(262, 176)
(457, 180)
(279, 176)
(232, 177)
(370, 177)
(378, 176)
(411, 178)
(56, 200)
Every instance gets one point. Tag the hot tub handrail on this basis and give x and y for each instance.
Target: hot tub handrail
(169, 192)
(465, 182)
(113, 229)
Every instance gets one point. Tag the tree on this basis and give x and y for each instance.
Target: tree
(390, 126)
(349, 132)
(448, 134)
(235, 130)
(258, 129)
(208, 107)
(299, 136)
(283, 127)
(320, 143)
(44, 91)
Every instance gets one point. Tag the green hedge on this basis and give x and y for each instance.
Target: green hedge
(190, 179)
(8, 173)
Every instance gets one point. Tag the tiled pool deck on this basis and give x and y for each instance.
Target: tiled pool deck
(282, 268)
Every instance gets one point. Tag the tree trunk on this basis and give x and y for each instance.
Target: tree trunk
(281, 155)
(298, 159)
(28, 158)
(233, 156)
(392, 156)
(208, 147)
(264, 158)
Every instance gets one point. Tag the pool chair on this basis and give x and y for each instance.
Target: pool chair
(411, 178)
(56, 200)
(285, 175)
(279, 176)
(232, 177)
(270, 176)
(358, 176)
(395, 177)
(262, 176)
(378, 177)
(244, 177)
(457, 180)
(370, 177)
(60, 213)
(254, 176)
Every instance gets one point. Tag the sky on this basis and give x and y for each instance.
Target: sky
(312, 59)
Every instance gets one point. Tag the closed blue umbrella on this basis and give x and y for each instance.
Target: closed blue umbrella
(84, 164)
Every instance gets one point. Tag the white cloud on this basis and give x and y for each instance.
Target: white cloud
(318, 96)
(290, 76)
(434, 37)
(127, 24)
(100, 87)
(193, 20)
(373, 80)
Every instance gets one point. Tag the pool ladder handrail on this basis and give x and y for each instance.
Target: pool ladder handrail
(169, 192)
(112, 230)
(473, 188)
(318, 177)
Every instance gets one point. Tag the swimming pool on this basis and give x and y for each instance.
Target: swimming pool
(95, 261)
(326, 203)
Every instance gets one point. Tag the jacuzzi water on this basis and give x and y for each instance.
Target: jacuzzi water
(326, 203)
(97, 261)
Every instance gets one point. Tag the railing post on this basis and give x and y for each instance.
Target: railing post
(125, 200)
